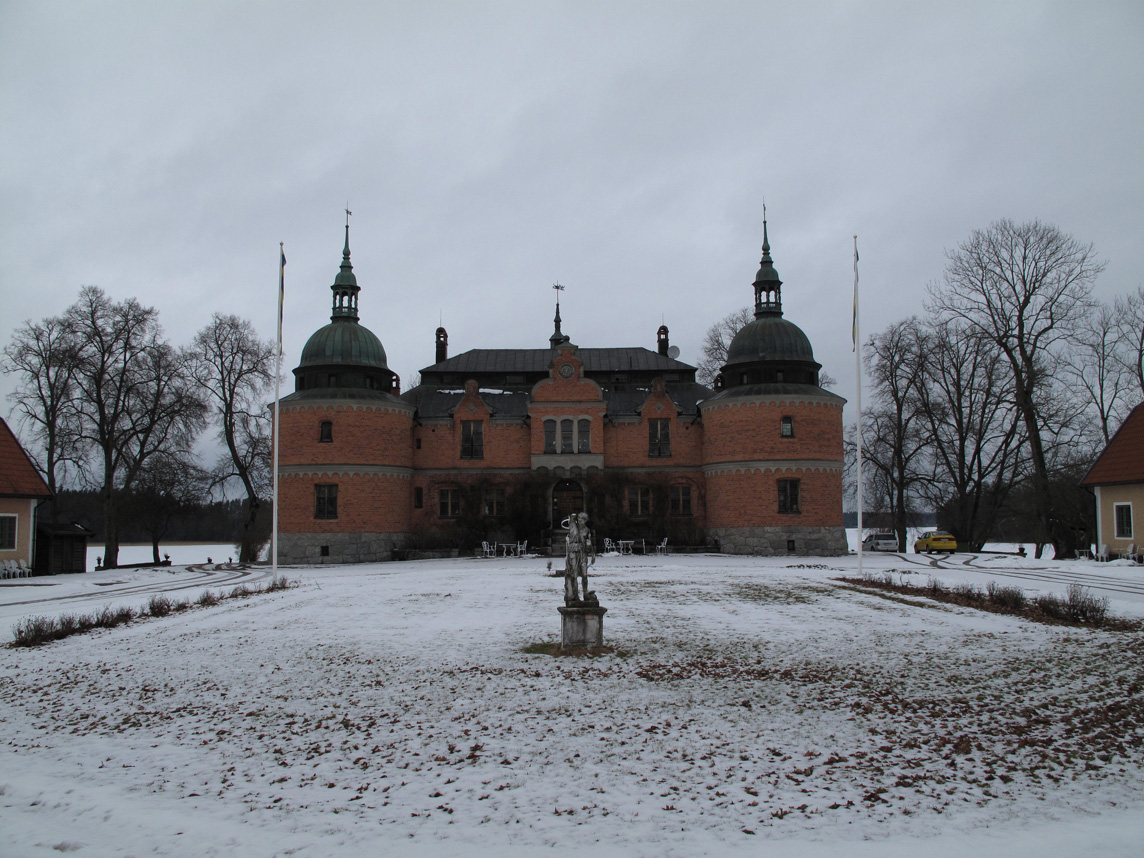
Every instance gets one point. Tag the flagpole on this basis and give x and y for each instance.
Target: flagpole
(277, 396)
(858, 402)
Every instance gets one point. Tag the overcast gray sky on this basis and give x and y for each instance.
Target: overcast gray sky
(161, 150)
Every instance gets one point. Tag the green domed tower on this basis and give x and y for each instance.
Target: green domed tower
(345, 462)
(772, 448)
(344, 355)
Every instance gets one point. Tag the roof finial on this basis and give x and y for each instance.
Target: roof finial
(766, 243)
(557, 337)
(346, 250)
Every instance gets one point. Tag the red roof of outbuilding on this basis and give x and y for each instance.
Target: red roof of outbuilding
(1123, 459)
(18, 476)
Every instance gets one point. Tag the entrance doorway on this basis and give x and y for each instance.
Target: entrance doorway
(567, 499)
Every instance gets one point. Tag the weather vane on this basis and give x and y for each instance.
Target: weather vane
(348, 213)
(558, 289)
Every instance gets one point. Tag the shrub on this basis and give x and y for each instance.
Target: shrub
(1051, 606)
(159, 606)
(1083, 607)
(32, 631)
(1006, 597)
(207, 599)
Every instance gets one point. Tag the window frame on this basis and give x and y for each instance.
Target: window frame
(786, 426)
(681, 499)
(418, 497)
(495, 503)
(659, 437)
(326, 432)
(789, 496)
(639, 501)
(551, 425)
(15, 531)
(583, 441)
(326, 501)
(472, 439)
(567, 435)
(1116, 529)
(448, 502)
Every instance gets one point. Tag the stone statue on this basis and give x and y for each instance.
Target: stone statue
(576, 561)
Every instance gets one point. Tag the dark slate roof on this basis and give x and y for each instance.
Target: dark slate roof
(635, 359)
(775, 388)
(18, 476)
(1123, 459)
(432, 401)
(352, 393)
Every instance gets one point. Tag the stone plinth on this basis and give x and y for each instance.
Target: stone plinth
(582, 627)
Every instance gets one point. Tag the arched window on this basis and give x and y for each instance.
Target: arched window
(584, 436)
(326, 431)
(788, 427)
(549, 436)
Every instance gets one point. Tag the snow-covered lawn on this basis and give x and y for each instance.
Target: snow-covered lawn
(752, 707)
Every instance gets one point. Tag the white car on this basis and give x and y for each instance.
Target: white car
(880, 542)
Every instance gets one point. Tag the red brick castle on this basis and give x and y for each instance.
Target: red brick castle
(503, 444)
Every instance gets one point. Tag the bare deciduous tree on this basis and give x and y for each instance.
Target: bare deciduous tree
(716, 343)
(233, 369)
(1130, 323)
(893, 431)
(1024, 287)
(973, 430)
(134, 399)
(1097, 369)
(43, 355)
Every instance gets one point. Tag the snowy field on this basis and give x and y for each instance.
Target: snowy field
(752, 707)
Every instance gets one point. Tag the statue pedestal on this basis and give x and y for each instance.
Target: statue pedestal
(582, 627)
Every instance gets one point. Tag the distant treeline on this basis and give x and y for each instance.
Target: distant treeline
(219, 521)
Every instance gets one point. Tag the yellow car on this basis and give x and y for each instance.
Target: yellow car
(935, 540)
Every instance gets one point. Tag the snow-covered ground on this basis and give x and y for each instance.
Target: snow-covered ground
(752, 707)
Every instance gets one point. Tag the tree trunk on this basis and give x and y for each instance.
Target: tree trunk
(111, 530)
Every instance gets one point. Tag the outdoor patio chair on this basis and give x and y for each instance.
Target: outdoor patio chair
(490, 550)
(609, 546)
(521, 548)
(662, 547)
(1103, 556)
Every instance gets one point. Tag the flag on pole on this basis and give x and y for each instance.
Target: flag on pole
(281, 290)
(854, 326)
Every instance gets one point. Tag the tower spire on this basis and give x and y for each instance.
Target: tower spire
(557, 337)
(345, 286)
(768, 292)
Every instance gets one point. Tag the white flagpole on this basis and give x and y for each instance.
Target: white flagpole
(277, 396)
(858, 402)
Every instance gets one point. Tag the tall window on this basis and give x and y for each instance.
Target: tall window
(326, 500)
(788, 496)
(418, 497)
(549, 436)
(472, 439)
(1122, 514)
(584, 436)
(495, 502)
(7, 533)
(639, 501)
(566, 436)
(449, 503)
(788, 427)
(681, 500)
(659, 438)
(326, 431)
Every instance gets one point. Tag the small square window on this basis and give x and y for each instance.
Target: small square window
(449, 503)
(324, 550)
(326, 431)
(495, 502)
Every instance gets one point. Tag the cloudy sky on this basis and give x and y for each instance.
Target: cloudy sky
(489, 149)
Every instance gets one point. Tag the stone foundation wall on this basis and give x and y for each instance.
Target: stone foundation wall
(772, 541)
(306, 548)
